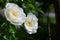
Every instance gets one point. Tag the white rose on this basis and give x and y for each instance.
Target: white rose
(14, 14)
(31, 23)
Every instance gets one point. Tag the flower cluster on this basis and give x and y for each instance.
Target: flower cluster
(16, 16)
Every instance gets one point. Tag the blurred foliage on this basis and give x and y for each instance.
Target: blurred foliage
(38, 7)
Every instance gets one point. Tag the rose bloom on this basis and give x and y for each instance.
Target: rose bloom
(31, 23)
(14, 14)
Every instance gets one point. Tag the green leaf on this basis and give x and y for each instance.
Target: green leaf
(39, 10)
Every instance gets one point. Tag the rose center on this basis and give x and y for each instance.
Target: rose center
(15, 14)
(29, 24)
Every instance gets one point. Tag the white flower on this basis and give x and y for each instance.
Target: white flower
(31, 23)
(14, 14)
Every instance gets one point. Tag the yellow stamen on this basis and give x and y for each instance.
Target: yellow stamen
(29, 23)
(15, 14)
